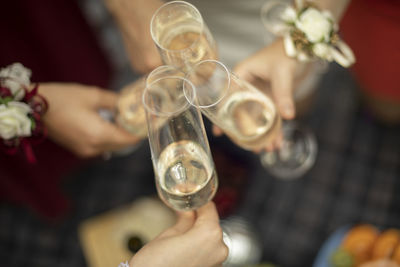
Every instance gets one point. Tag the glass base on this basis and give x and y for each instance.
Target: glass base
(297, 154)
(242, 242)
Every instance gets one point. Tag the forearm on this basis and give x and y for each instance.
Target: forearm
(132, 10)
(133, 18)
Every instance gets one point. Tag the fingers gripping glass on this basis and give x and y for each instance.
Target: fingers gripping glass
(184, 169)
(248, 116)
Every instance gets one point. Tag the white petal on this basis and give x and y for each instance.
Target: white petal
(289, 46)
(343, 54)
(289, 14)
(21, 106)
(303, 57)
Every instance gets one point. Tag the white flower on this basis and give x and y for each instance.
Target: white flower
(301, 56)
(315, 25)
(289, 46)
(322, 50)
(289, 14)
(14, 120)
(17, 77)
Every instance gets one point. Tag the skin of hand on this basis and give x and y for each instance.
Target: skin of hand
(380, 263)
(194, 241)
(73, 121)
(133, 18)
(272, 67)
(273, 72)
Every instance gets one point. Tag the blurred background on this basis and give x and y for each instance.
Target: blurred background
(356, 177)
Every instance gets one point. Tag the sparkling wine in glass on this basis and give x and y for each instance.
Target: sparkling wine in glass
(130, 113)
(181, 36)
(187, 177)
(184, 169)
(247, 115)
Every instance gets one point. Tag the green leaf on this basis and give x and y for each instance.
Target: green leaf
(8, 99)
(33, 123)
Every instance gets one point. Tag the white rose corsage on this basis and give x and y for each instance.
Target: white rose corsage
(308, 32)
(21, 110)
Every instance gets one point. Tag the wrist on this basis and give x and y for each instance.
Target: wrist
(308, 32)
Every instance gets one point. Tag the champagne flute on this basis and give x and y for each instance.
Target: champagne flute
(271, 15)
(129, 110)
(184, 169)
(181, 36)
(299, 148)
(248, 116)
(130, 113)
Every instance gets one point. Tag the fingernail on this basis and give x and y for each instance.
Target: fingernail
(288, 111)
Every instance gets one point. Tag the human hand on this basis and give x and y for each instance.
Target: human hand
(133, 18)
(271, 67)
(194, 241)
(380, 263)
(73, 121)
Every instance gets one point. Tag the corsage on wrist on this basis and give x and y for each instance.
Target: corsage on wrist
(308, 32)
(21, 111)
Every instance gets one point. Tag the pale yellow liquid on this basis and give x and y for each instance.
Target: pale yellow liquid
(250, 119)
(131, 115)
(186, 178)
(187, 47)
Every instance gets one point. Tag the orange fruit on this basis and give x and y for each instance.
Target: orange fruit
(396, 254)
(385, 244)
(359, 241)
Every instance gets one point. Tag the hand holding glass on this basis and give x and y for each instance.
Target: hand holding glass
(248, 116)
(184, 169)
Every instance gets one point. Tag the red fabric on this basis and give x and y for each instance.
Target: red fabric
(53, 39)
(372, 30)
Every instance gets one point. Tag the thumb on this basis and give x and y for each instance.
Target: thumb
(183, 223)
(282, 88)
(217, 131)
(115, 137)
(106, 99)
(246, 70)
(207, 214)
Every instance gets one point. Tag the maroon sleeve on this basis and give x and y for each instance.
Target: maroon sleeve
(53, 39)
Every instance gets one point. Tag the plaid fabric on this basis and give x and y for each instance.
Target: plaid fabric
(29, 240)
(355, 179)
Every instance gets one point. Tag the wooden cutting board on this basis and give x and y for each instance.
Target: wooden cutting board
(104, 238)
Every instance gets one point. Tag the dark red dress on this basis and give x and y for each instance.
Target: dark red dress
(53, 39)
